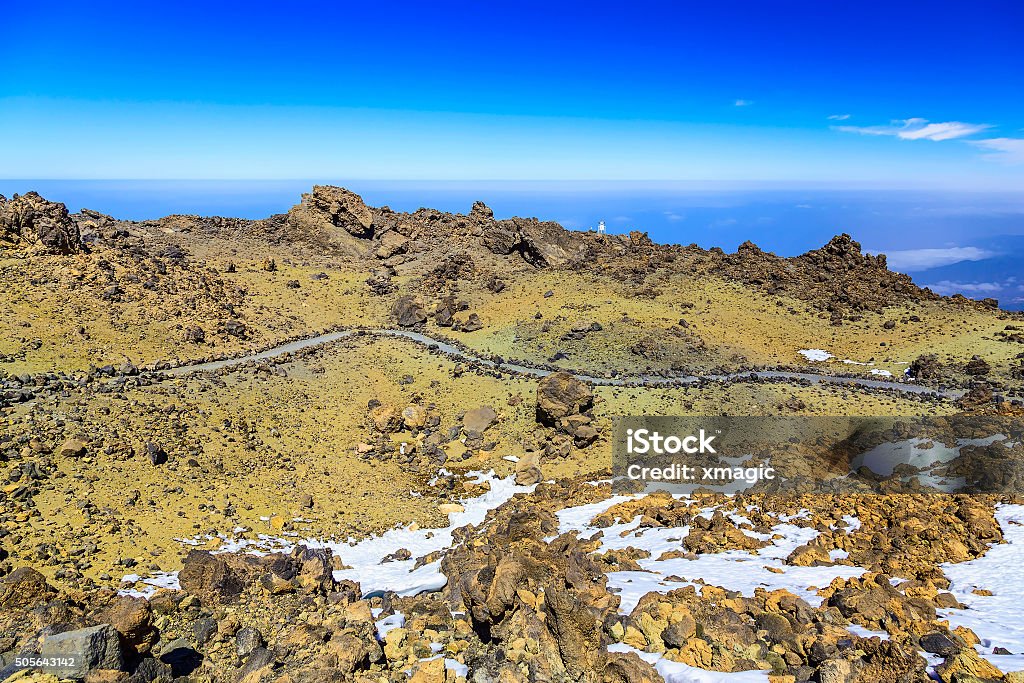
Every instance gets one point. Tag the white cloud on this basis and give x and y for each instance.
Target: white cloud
(1008, 150)
(838, 117)
(744, 103)
(948, 287)
(919, 129)
(911, 260)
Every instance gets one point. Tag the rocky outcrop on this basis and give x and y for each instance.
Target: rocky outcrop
(29, 221)
(539, 243)
(838, 277)
(24, 588)
(343, 208)
(541, 605)
(84, 650)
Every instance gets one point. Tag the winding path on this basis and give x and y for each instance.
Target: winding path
(514, 368)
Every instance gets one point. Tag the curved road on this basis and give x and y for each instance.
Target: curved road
(645, 380)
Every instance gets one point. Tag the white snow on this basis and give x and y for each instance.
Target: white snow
(996, 619)
(737, 570)
(146, 587)
(858, 630)
(389, 623)
(820, 356)
(458, 667)
(677, 672)
(852, 522)
(364, 557)
(884, 458)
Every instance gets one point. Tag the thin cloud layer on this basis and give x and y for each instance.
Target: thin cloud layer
(1008, 150)
(919, 129)
(949, 287)
(911, 260)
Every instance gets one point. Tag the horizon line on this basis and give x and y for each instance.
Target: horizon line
(727, 184)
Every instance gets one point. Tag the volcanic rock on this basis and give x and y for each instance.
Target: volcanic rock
(23, 588)
(343, 208)
(95, 647)
(479, 420)
(209, 577)
(409, 311)
(560, 395)
(31, 221)
(133, 619)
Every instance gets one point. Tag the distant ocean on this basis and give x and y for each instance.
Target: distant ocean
(972, 243)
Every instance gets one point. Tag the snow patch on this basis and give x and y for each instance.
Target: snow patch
(677, 672)
(997, 619)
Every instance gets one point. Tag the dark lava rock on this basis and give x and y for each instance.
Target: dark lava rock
(204, 629)
(181, 657)
(925, 367)
(940, 643)
(195, 334)
(409, 311)
(977, 366)
(209, 577)
(156, 453)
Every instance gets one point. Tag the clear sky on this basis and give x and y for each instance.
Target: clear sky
(887, 94)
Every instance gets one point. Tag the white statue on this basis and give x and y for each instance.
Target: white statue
(600, 228)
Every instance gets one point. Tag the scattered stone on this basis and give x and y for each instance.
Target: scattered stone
(247, 641)
(479, 420)
(528, 469)
(156, 453)
(72, 448)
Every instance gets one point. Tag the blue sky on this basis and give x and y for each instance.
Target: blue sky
(785, 93)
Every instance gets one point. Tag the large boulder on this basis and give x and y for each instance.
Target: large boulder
(210, 577)
(409, 311)
(343, 208)
(925, 367)
(479, 420)
(24, 588)
(84, 650)
(560, 395)
(133, 619)
(31, 221)
(539, 243)
(392, 243)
